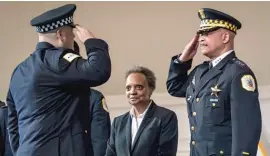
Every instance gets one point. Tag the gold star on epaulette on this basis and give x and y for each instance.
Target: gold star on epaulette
(215, 91)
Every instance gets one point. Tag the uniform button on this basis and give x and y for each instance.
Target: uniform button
(197, 99)
(213, 104)
(85, 131)
(192, 128)
(194, 113)
(193, 142)
(221, 152)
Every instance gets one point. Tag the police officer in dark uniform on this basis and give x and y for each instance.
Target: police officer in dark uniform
(100, 123)
(5, 149)
(221, 94)
(48, 96)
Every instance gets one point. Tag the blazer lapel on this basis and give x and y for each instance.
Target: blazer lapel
(147, 118)
(206, 78)
(212, 73)
(202, 70)
(128, 133)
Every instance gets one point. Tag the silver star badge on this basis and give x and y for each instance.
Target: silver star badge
(215, 91)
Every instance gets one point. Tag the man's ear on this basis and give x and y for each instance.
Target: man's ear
(226, 37)
(59, 34)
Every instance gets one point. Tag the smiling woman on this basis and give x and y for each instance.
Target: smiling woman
(147, 128)
(140, 84)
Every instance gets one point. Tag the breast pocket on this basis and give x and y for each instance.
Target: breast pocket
(214, 109)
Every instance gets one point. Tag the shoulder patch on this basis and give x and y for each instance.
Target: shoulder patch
(248, 83)
(70, 57)
(104, 105)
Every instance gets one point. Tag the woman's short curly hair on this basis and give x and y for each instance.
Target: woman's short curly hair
(149, 74)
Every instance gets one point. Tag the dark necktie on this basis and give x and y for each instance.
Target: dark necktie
(210, 66)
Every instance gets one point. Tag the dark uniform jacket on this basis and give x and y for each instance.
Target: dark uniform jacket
(5, 149)
(223, 106)
(48, 99)
(100, 126)
(156, 136)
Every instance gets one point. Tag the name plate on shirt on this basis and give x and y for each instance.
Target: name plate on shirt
(213, 100)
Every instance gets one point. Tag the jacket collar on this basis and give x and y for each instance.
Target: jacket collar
(44, 45)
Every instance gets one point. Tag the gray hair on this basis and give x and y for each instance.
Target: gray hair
(149, 74)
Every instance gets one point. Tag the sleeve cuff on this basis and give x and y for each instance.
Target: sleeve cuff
(94, 43)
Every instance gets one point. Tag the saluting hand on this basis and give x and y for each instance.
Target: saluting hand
(190, 50)
(83, 34)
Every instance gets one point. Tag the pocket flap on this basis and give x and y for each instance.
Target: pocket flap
(218, 149)
(213, 104)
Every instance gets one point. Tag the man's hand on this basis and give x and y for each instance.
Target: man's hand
(190, 50)
(83, 34)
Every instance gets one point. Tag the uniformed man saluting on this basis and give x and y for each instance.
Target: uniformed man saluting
(48, 97)
(221, 94)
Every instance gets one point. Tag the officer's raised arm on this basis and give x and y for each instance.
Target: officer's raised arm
(93, 71)
(178, 77)
(56, 42)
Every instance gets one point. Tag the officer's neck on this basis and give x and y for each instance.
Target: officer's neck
(220, 52)
(49, 38)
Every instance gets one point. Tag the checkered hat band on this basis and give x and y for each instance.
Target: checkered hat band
(54, 25)
(218, 23)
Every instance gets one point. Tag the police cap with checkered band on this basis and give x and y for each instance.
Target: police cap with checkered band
(213, 19)
(54, 19)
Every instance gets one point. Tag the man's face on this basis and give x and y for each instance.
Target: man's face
(66, 37)
(137, 89)
(211, 42)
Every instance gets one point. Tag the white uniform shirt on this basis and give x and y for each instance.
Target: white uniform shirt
(218, 59)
